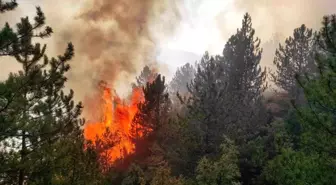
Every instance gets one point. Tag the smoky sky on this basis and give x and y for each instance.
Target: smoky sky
(114, 39)
(274, 16)
(274, 20)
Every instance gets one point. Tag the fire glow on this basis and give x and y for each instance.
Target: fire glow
(117, 118)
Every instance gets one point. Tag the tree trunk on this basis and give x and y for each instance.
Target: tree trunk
(23, 156)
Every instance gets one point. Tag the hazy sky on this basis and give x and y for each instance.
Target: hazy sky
(197, 32)
(204, 21)
(202, 25)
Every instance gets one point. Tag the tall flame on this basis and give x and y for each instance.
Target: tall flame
(117, 118)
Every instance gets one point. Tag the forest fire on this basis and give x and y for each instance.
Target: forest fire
(117, 119)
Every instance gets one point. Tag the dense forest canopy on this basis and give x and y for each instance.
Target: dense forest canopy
(212, 124)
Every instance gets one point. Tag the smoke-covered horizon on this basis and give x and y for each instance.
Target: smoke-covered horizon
(275, 20)
(115, 39)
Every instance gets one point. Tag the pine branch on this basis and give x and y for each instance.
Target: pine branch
(7, 6)
(39, 22)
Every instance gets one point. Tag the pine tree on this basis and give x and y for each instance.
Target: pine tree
(246, 80)
(151, 123)
(318, 117)
(181, 79)
(37, 119)
(9, 39)
(243, 53)
(178, 89)
(162, 176)
(295, 57)
(7, 6)
(135, 176)
(298, 168)
(223, 170)
(245, 86)
(313, 160)
(147, 75)
(206, 105)
(7, 36)
(156, 135)
(155, 105)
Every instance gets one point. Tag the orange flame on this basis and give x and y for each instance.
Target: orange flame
(117, 117)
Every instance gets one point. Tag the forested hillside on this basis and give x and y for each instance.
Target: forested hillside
(217, 122)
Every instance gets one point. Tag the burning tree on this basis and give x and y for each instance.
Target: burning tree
(132, 129)
(153, 134)
(113, 135)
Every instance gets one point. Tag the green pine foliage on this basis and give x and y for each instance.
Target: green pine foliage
(312, 161)
(298, 168)
(212, 125)
(295, 57)
(7, 6)
(224, 170)
(40, 132)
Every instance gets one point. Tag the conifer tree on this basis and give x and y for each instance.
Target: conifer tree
(295, 57)
(151, 124)
(146, 75)
(162, 176)
(318, 117)
(7, 6)
(313, 160)
(178, 89)
(135, 176)
(223, 170)
(181, 79)
(155, 105)
(39, 122)
(7, 36)
(245, 79)
(206, 105)
(243, 53)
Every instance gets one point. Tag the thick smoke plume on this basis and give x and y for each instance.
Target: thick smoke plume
(114, 40)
